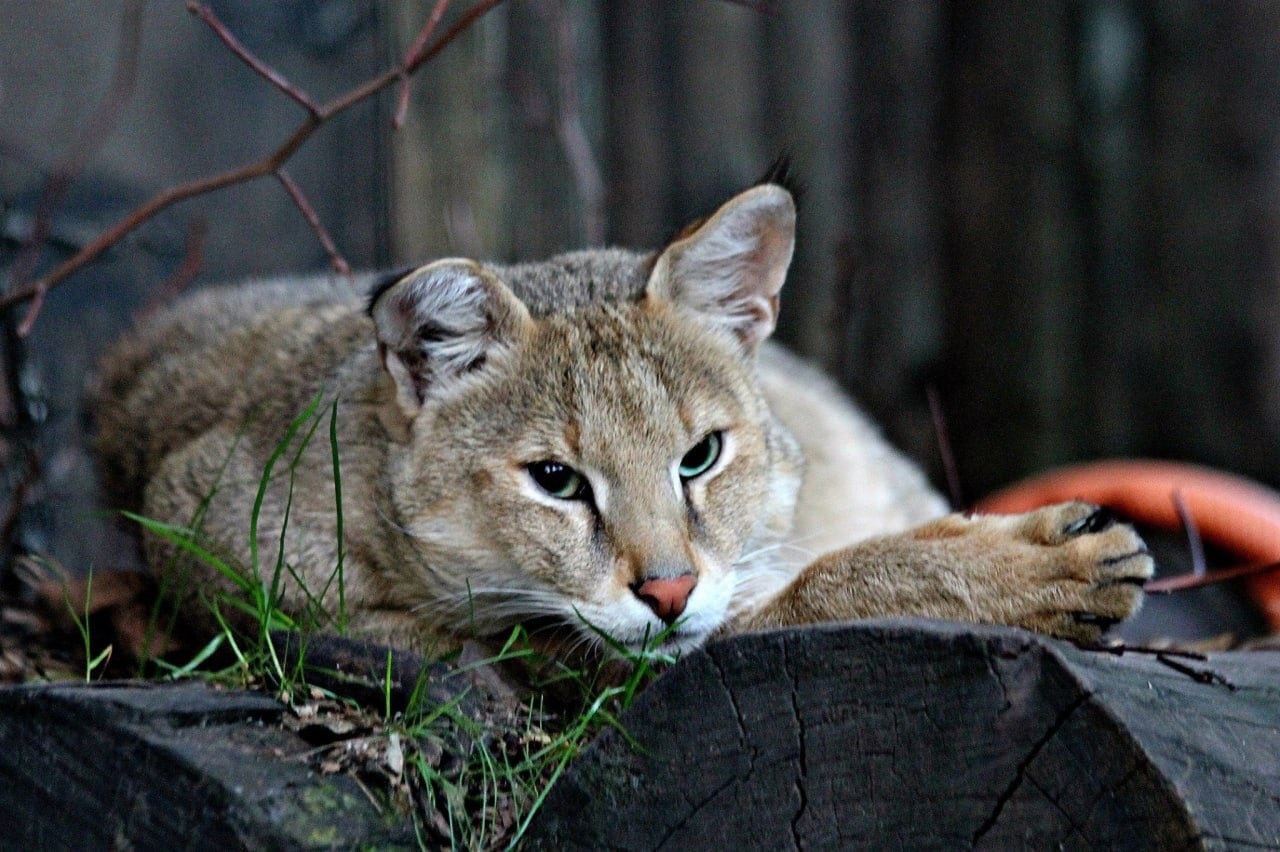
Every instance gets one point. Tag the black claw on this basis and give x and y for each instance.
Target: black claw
(1093, 618)
(1099, 520)
(1138, 582)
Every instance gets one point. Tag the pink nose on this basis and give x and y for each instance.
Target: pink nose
(666, 596)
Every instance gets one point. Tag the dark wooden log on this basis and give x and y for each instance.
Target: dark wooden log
(925, 735)
(116, 766)
(916, 734)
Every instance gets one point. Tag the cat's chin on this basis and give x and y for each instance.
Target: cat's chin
(675, 643)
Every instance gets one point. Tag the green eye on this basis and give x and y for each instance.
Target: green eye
(559, 480)
(701, 458)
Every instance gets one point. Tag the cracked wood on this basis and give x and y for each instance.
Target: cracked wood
(922, 734)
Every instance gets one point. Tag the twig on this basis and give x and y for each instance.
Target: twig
(259, 67)
(947, 455)
(412, 63)
(260, 168)
(192, 261)
(33, 311)
(1198, 675)
(1166, 657)
(1195, 547)
(419, 43)
(336, 260)
(1182, 582)
(147, 210)
(92, 135)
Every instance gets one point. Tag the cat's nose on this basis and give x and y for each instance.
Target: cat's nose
(666, 596)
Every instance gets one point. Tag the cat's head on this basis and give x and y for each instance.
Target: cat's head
(607, 467)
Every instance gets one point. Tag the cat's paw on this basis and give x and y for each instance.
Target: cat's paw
(1071, 570)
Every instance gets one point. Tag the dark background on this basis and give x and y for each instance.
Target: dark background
(1063, 216)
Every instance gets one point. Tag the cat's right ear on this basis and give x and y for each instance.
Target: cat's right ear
(729, 269)
(439, 323)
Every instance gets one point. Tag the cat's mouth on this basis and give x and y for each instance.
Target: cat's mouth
(555, 636)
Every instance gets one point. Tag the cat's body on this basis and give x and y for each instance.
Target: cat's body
(600, 442)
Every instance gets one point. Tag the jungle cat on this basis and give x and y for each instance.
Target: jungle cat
(602, 442)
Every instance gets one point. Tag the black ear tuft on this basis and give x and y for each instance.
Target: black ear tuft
(781, 173)
(384, 282)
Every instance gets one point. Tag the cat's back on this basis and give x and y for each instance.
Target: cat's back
(215, 356)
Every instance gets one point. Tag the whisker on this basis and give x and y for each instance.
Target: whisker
(585, 644)
(504, 602)
(776, 547)
(393, 524)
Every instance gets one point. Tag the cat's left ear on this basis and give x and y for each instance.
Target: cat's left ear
(729, 269)
(441, 322)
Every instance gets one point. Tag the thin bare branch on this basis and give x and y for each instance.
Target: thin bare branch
(259, 67)
(192, 261)
(412, 64)
(33, 311)
(155, 205)
(91, 137)
(336, 260)
(418, 45)
(1206, 676)
(1118, 648)
(1170, 657)
(469, 17)
(265, 166)
(1182, 582)
(424, 35)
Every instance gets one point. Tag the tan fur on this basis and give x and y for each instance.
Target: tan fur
(614, 363)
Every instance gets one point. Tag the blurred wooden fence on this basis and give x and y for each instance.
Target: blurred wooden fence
(1063, 216)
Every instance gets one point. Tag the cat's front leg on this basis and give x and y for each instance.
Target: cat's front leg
(1068, 570)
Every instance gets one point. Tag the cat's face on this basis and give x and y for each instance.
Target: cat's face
(608, 474)
(607, 469)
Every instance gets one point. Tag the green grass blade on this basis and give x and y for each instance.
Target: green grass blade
(281, 446)
(187, 669)
(184, 539)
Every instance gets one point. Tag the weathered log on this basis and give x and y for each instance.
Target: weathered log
(183, 766)
(925, 735)
(906, 733)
